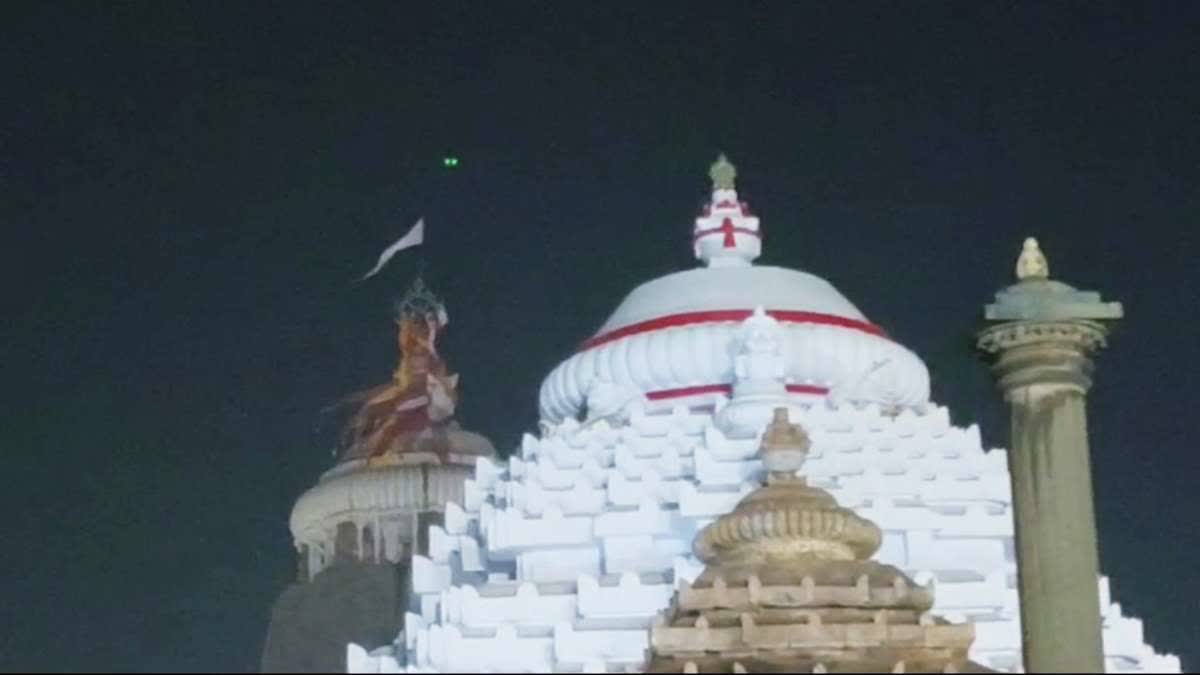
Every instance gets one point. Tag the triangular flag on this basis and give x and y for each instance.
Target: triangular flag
(414, 236)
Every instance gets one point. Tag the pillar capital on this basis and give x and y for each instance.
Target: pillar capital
(1085, 336)
(1047, 356)
(1043, 332)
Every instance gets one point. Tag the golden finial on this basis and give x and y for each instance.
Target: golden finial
(722, 174)
(786, 519)
(781, 433)
(1031, 264)
(784, 445)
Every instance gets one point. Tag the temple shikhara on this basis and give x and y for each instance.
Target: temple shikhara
(402, 460)
(738, 472)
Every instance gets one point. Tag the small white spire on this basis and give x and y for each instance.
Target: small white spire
(726, 234)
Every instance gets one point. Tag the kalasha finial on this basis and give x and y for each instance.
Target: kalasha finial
(1032, 264)
(722, 173)
(784, 445)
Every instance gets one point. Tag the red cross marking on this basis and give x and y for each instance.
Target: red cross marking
(728, 229)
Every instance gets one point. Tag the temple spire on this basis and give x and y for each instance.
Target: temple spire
(726, 233)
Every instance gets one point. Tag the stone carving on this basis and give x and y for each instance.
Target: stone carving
(759, 362)
(789, 587)
(758, 368)
(611, 402)
(1032, 264)
(1088, 336)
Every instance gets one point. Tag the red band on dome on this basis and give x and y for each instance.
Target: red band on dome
(807, 389)
(731, 315)
(727, 231)
(665, 394)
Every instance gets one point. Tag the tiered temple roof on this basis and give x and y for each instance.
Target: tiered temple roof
(790, 586)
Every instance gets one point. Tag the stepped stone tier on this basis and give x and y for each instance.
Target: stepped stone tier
(790, 587)
(403, 456)
(561, 558)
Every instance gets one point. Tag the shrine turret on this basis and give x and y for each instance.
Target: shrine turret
(790, 586)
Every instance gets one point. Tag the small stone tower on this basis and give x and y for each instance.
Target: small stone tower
(790, 587)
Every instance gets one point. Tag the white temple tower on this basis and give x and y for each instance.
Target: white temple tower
(560, 558)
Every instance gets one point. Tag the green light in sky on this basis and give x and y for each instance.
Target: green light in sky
(450, 162)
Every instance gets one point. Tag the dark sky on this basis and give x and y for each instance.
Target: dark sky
(188, 189)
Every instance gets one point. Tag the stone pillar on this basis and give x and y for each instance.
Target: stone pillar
(345, 543)
(1043, 335)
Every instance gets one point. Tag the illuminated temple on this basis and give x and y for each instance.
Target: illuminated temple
(738, 472)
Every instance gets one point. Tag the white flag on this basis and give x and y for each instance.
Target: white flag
(413, 237)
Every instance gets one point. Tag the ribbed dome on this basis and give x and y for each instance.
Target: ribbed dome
(717, 289)
(364, 494)
(670, 340)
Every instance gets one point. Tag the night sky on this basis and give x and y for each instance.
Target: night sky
(187, 191)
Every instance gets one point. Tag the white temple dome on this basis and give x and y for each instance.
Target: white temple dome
(670, 340)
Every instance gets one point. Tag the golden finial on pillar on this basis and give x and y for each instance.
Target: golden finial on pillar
(1032, 264)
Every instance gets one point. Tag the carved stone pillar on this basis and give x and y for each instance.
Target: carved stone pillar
(1043, 337)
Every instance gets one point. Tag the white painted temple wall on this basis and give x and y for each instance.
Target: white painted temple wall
(560, 559)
